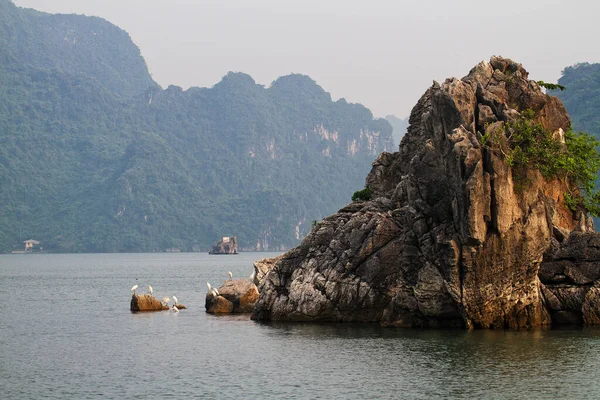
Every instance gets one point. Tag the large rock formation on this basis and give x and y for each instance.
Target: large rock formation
(451, 238)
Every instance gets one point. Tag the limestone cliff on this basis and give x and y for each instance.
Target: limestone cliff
(449, 240)
(162, 168)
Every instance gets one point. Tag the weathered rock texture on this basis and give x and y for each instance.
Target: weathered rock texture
(448, 240)
(570, 276)
(227, 245)
(235, 296)
(146, 302)
(263, 266)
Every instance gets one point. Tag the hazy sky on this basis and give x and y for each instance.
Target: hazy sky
(381, 53)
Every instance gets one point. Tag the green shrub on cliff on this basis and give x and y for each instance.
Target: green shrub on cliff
(551, 86)
(582, 99)
(525, 144)
(581, 163)
(362, 195)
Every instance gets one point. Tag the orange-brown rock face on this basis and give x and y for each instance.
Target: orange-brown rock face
(146, 302)
(219, 305)
(450, 237)
(235, 296)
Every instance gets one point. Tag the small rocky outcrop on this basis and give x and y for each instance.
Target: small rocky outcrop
(227, 245)
(450, 237)
(570, 277)
(235, 296)
(146, 302)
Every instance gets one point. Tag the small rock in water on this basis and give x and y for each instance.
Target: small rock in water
(235, 296)
(146, 302)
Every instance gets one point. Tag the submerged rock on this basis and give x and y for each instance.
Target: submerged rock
(146, 302)
(451, 238)
(235, 296)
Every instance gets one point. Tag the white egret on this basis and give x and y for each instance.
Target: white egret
(150, 289)
(166, 300)
(215, 291)
(175, 309)
(209, 287)
(175, 300)
(133, 288)
(253, 276)
(230, 275)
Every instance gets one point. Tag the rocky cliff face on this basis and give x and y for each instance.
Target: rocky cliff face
(449, 240)
(570, 276)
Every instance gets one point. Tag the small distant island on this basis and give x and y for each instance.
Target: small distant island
(31, 246)
(227, 245)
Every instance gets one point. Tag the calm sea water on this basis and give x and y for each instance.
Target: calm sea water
(66, 332)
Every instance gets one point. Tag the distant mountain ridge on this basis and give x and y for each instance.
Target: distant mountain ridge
(95, 156)
(582, 96)
(74, 45)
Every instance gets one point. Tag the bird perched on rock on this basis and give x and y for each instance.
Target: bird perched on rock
(230, 275)
(212, 290)
(133, 288)
(253, 276)
(174, 308)
(166, 300)
(150, 289)
(175, 301)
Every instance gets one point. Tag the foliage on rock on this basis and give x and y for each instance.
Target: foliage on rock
(362, 195)
(526, 144)
(551, 86)
(582, 99)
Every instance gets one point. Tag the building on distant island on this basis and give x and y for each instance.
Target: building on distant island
(173, 250)
(30, 246)
(227, 245)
